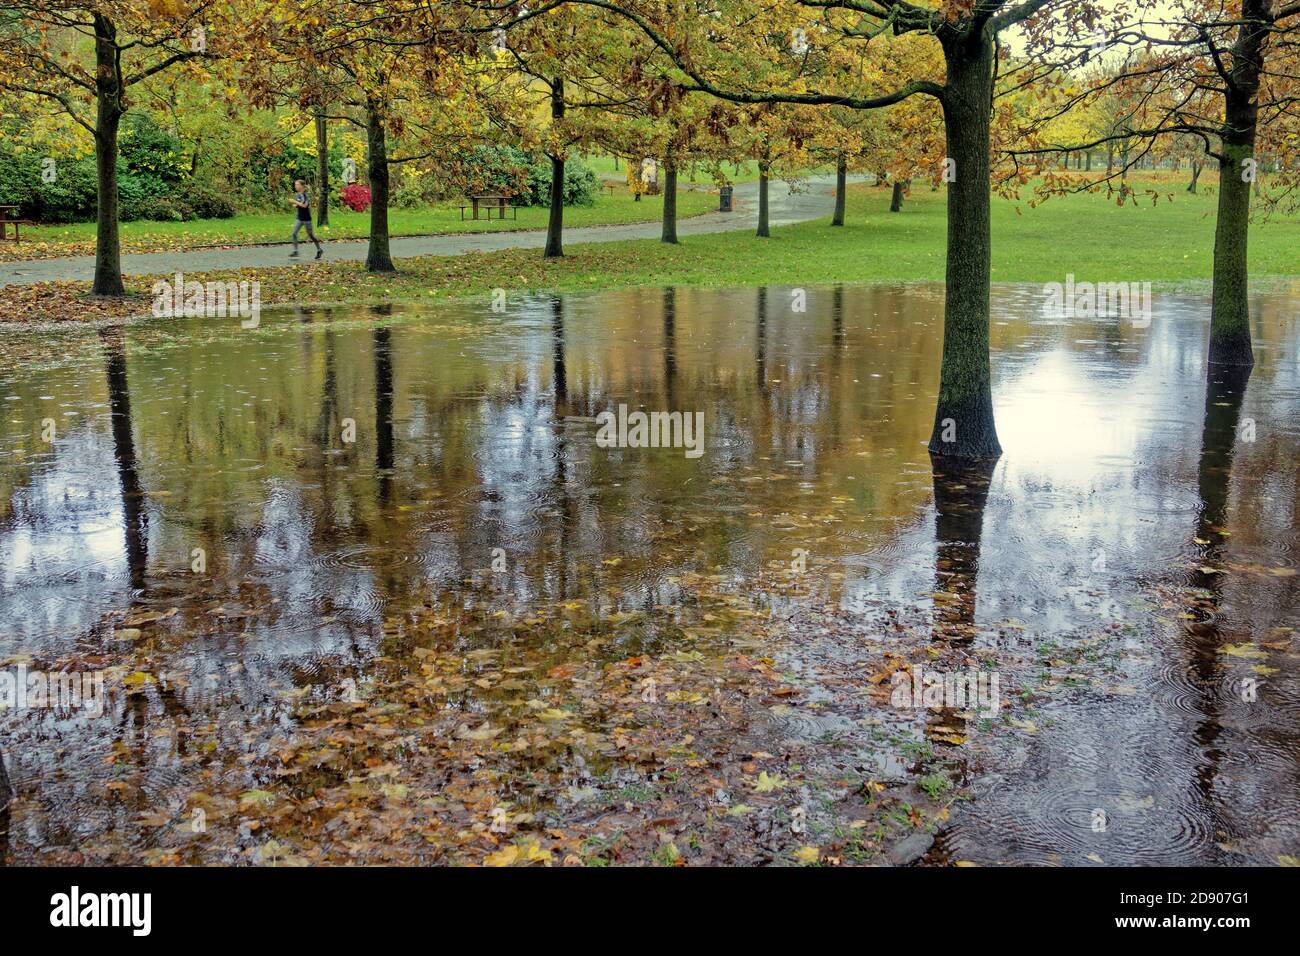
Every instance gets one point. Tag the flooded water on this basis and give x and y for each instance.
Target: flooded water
(375, 564)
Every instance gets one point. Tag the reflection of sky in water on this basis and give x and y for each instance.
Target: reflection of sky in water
(816, 425)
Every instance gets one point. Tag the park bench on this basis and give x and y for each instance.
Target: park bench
(9, 217)
(486, 204)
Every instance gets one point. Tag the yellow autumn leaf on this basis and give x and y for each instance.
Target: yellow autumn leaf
(506, 856)
(807, 855)
(1243, 650)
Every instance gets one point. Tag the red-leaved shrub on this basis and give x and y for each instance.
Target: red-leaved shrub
(356, 197)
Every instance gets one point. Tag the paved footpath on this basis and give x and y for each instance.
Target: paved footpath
(813, 199)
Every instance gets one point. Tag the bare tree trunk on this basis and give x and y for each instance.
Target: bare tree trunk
(963, 415)
(896, 199)
(1196, 174)
(322, 170)
(762, 201)
(841, 170)
(378, 256)
(108, 117)
(669, 233)
(555, 224)
(1230, 303)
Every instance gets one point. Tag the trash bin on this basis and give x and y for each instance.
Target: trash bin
(724, 199)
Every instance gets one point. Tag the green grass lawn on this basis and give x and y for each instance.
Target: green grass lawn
(248, 228)
(1088, 235)
(1169, 244)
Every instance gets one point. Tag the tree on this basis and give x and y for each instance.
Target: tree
(408, 81)
(772, 134)
(966, 34)
(573, 62)
(662, 122)
(1219, 73)
(86, 55)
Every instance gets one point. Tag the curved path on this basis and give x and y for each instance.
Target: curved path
(813, 198)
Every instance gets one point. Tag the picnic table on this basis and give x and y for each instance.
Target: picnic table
(486, 204)
(9, 217)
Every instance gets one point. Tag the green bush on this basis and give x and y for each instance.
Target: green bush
(206, 202)
(581, 186)
(508, 170)
(476, 170)
(72, 195)
(20, 179)
(163, 209)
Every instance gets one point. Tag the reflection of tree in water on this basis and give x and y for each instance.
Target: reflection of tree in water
(136, 712)
(837, 318)
(1224, 392)
(670, 347)
(558, 372)
(961, 491)
(384, 410)
(134, 517)
(142, 714)
(560, 476)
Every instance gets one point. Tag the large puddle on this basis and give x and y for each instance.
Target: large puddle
(357, 580)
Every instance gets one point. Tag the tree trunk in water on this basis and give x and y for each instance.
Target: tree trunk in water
(555, 224)
(762, 201)
(670, 201)
(841, 170)
(108, 117)
(1230, 302)
(378, 257)
(963, 417)
(322, 170)
(896, 200)
(1196, 174)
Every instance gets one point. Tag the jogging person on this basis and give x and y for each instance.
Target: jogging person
(303, 202)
